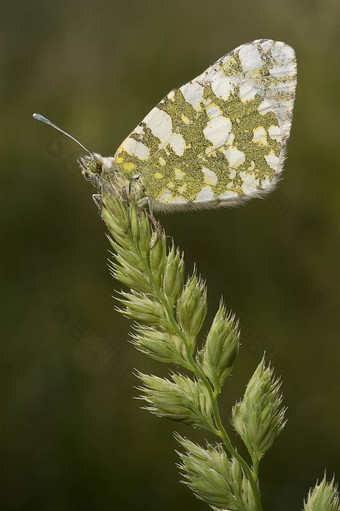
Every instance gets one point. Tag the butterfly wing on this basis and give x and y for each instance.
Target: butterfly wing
(221, 137)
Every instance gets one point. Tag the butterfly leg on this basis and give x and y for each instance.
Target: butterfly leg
(97, 199)
(141, 203)
(156, 225)
(125, 198)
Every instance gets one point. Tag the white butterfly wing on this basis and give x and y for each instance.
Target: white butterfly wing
(221, 137)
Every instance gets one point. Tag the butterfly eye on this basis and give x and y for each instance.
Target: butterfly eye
(95, 166)
(92, 166)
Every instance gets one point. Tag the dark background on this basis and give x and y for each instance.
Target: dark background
(73, 437)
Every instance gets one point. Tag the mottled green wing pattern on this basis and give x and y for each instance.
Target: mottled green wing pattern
(219, 138)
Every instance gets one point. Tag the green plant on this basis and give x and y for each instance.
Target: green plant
(169, 311)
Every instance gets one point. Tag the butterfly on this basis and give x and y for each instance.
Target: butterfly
(218, 140)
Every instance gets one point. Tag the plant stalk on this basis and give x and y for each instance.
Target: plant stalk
(220, 430)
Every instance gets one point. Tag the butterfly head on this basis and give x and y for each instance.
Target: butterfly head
(102, 172)
(94, 165)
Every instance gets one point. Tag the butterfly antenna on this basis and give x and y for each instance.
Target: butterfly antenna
(43, 119)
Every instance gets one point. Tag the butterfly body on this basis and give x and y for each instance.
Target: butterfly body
(216, 141)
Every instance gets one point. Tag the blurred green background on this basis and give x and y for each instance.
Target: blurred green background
(73, 437)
